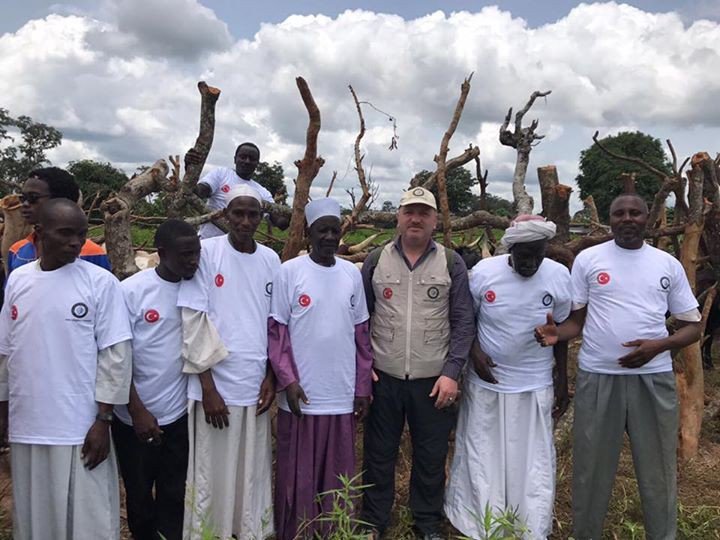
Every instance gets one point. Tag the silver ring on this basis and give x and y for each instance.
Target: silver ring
(450, 399)
(150, 439)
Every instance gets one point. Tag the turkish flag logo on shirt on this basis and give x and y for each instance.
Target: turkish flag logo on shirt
(603, 278)
(225, 188)
(387, 293)
(304, 300)
(490, 296)
(152, 316)
(219, 280)
(14, 312)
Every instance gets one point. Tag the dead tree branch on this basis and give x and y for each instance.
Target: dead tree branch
(458, 161)
(441, 160)
(482, 181)
(308, 168)
(332, 183)
(366, 194)
(629, 159)
(523, 140)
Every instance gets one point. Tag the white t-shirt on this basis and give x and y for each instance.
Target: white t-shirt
(508, 307)
(627, 292)
(221, 181)
(52, 326)
(234, 289)
(157, 346)
(321, 306)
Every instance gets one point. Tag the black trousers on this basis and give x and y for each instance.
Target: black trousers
(164, 466)
(394, 401)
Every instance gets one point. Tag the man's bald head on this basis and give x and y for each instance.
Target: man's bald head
(62, 229)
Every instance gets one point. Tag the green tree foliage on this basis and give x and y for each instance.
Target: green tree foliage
(270, 176)
(96, 178)
(498, 206)
(599, 172)
(459, 181)
(388, 206)
(24, 144)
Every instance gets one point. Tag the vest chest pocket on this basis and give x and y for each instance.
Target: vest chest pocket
(434, 289)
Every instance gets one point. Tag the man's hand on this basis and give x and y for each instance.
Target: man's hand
(647, 349)
(294, 393)
(146, 427)
(96, 447)
(446, 390)
(267, 393)
(482, 364)
(216, 412)
(562, 399)
(547, 335)
(361, 406)
(192, 157)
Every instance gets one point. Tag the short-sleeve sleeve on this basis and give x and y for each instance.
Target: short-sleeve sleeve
(264, 193)
(579, 281)
(5, 324)
(214, 179)
(194, 293)
(360, 311)
(130, 300)
(112, 324)
(476, 284)
(563, 295)
(681, 298)
(281, 293)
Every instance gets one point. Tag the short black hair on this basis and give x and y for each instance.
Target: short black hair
(253, 145)
(51, 208)
(632, 196)
(61, 184)
(171, 230)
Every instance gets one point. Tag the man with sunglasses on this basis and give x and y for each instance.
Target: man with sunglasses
(41, 185)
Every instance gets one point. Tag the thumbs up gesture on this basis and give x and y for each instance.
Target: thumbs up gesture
(547, 334)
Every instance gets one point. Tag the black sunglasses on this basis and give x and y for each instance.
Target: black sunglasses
(31, 198)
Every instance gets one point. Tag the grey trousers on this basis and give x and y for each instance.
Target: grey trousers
(605, 407)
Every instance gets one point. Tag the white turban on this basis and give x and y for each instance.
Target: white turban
(528, 229)
(318, 208)
(242, 190)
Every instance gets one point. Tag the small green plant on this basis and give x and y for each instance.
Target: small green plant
(698, 522)
(499, 524)
(339, 522)
(632, 530)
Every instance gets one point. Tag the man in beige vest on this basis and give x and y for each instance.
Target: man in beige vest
(422, 327)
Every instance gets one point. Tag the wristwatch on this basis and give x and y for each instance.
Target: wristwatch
(104, 417)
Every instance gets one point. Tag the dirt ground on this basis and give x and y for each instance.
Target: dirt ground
(698, 481)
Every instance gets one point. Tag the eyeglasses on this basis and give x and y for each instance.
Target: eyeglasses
(31, 198)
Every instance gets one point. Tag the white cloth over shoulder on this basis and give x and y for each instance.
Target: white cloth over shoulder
(202, 347)
(528, 228)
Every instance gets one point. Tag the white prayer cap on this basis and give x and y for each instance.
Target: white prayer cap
(527, 228)
(317, 208)
(242, 190)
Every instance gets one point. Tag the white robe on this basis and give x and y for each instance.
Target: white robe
(504, 458)
(228, 490)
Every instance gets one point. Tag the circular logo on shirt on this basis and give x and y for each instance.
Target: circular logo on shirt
(79, 310)
(490, 296)
(268, 288)
(665, 282)
(304, 300)
(225, 188)
(418, 192)
(433, 293)
(152, 316)
(14, 312)
(387, 293)
(603, 278)
(547, 300)
(352, 300)
(219, 280)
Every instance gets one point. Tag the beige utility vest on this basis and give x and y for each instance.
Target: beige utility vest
(411, 325)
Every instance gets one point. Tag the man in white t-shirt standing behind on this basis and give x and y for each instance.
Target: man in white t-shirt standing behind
(65, 360)
(320, 350)
(151, 433)
(504, 452)
(622, 290)
(229, 466)
(215, 185)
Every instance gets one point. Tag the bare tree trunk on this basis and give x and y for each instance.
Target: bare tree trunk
(482, 181)
(523, 140)
(688, 362)
(308, 168)
(117, 210)
(14, 226)
(548, 179)
(365, 197)
(458, 161)
(441, 159)
(560, 213)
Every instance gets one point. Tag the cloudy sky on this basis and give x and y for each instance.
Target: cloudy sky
(118, 78)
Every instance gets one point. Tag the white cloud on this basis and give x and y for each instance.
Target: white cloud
(122, 86)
